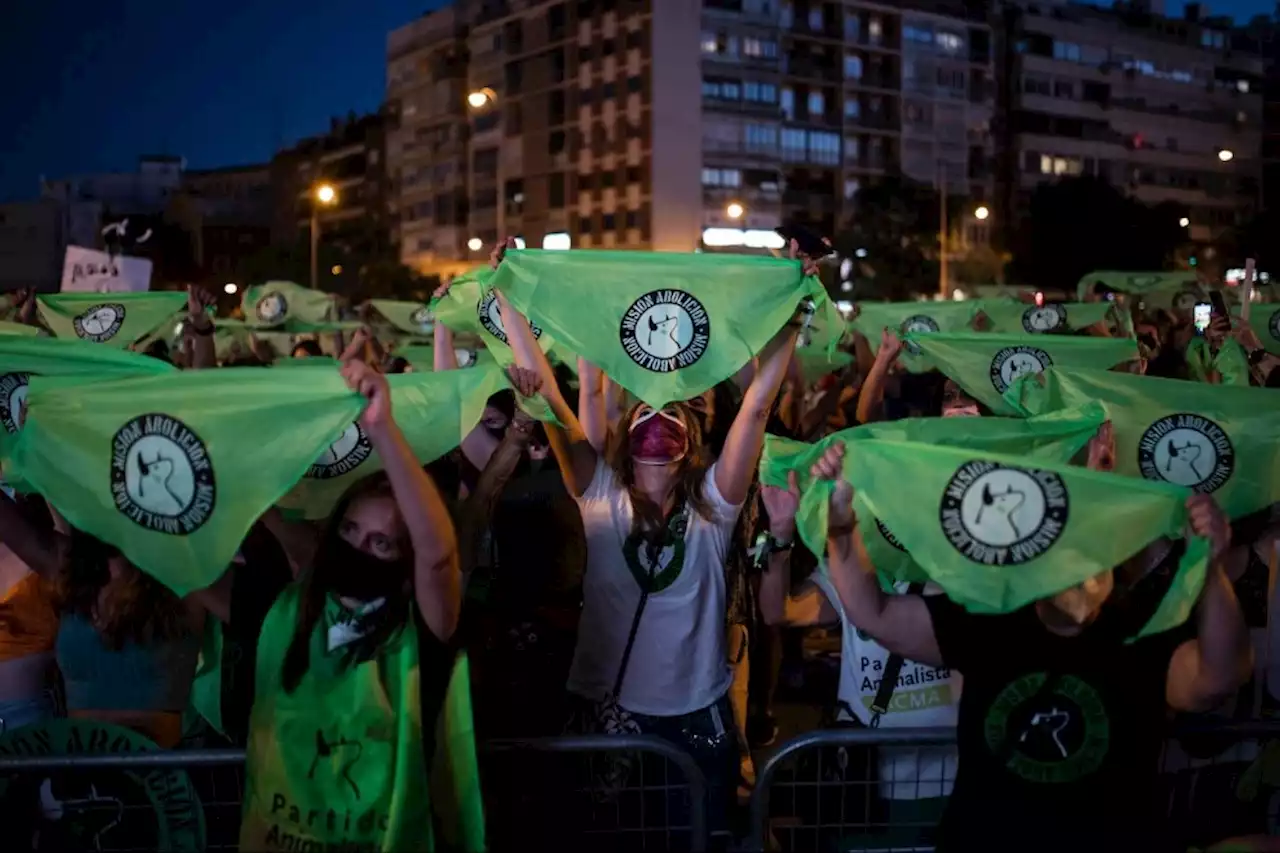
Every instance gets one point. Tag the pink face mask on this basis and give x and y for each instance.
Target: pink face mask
(962, 412)
(657, 437)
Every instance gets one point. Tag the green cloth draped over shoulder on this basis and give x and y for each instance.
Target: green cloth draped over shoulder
(113, 319)
(174, 469)
(1009, 530)
(1056, 437)
(917, 318)
(412, 318)
(985, 364)
(1230, 361)
(24, 357)
(434, 411)
(340, 762)
(1052, 317)
(663, 325)
(271, 304)
(471, 307)
(1215, 439)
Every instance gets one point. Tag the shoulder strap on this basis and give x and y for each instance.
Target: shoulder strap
(889, 680)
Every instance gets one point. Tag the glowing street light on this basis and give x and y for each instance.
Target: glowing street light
(1184, 222)
(481, 98)
(734, 210)
(229, 288)
(324, 195)
(982, 212)
(475, 244)
(1226, 155)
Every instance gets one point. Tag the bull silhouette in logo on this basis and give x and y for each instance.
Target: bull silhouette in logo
(1051, 723)
(1004, 503)
(153, 485)
(325, 749)
(1187, 454)
(666, 325)
(1021, 364)
(107, 813)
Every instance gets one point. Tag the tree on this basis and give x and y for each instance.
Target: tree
(1077, 225)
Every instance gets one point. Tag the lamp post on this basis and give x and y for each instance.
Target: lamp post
(479, 100)
(323, 195)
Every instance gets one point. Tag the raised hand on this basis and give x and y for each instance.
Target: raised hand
(1102, 449)
(1207, 519)
(371, 385)
(782, 504)
(831, 467)
(500, 251)
(527, 383)
(890, 345)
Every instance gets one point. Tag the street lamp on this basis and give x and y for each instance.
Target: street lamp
(734, 210)
(475, 244)
(230, 288)
(324, 195)
(1226, 155)
(481, 98)
(982, 212)
(1184, 222)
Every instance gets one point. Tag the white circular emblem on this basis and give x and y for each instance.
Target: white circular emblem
(421, 318)
(490, 314)
(100, 323)
(343, 456)
(271, 308)
(888, 536)
(162, 476)
(465, 357)
(916, 323)
(1273, 325)
(665, 330)
(1187, 450)
(1001, 515)
(1012, 362)
(1046, 318)
(13, 396)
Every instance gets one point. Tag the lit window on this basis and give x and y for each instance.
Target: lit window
(1046, 164)
(875, 30)
(785, 16)
(1242, 86)
(852, 108)
(817, 104)
(950, 42)
(851, 187)
(730, 91)
(852, 26)
(815, 17)
(709, 43)
(852, 66)
(787, 101)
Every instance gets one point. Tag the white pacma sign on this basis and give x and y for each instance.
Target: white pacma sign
(93, 271)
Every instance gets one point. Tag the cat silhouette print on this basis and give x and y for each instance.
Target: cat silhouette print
(1006, 503)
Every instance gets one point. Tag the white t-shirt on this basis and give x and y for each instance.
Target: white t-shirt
(926, 697)
(679, 662)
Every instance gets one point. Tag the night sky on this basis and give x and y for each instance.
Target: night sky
(90, 86)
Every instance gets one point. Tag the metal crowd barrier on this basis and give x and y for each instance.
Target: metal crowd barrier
(834, 790)
(540, 794)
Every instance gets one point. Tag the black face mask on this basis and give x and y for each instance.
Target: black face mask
(349, 572)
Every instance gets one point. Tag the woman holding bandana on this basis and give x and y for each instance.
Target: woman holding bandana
(658, 514)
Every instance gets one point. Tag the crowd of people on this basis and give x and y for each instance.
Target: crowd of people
(612, 566)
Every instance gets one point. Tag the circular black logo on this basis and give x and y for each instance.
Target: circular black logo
(13, 396)
(1058, 735)
(1045, 318)
(162, 476)
(916, 323)
(888, 536)
(1187, 450)
(100, 323)
(343, 456)
(96, 809)
(272, 308)
(1001, 515)
(1012, 362)
(490, 314)
(1273, 325)
(665, 330)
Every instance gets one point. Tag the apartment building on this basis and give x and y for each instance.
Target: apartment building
(1169, 109)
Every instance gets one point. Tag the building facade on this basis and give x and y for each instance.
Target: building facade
(228, 214)
(1164, 108)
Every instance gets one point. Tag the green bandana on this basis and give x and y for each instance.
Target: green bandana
(1009, 530)
(1165, 286)
(665, 326)
(114, 319)
(20, 329)
(1216, 439)
(413, 318)
(435, 411)
(471, 307)
(1020, 318)
(1230, 362)
(916, 318)
(1265, 322)
(986, 364)
(270, 305)
(173, 470)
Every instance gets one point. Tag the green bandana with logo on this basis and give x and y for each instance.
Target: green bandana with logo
(1020, 318)
(1056, 437)
(272, 304)
(113, 319)
(1229, 362)
(339, 764)
(1265, 322)
(663, 325)
(986, 364)
(422, 358)
(174, 469)
(1215, 439)
(1160, 286)
(434, 411)
(24, 357)
(998, 532)
(412, 318)
(918, 318)
(471, 307)
(821, 330)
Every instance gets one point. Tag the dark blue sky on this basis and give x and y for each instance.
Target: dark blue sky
(88, 86)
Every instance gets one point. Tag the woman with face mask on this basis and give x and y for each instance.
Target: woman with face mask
(1061, 720)
(658, 514)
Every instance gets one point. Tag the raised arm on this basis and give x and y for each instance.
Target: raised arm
(871, 401)
(900, 623)
(41, 550)
(1206, 671)
(443, 356)
(437, 580)
(777, 605)
(593, 412)
(200, 324)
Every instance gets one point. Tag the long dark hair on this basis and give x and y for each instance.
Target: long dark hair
(142, 609)
(378, 629)
(647, 517)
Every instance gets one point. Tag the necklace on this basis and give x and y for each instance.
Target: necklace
(652, 578)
